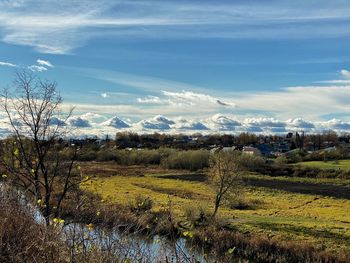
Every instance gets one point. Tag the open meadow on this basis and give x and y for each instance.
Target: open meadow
(311, 210)
(334, 164)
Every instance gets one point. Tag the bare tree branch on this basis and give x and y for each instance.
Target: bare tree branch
(33, 154)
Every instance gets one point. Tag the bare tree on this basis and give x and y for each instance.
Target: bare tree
(34, 157)
(225, 173)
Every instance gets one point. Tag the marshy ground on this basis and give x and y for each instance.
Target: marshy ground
(312, 210)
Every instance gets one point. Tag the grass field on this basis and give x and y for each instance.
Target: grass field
(299, 209)
(341, 164)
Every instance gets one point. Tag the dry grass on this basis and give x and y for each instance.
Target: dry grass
(230, 244)
(22, 239)
(337, 164)
(274, 212)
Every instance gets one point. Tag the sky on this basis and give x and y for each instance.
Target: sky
(185, 66)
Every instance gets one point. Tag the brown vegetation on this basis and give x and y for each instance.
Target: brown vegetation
(230, 244)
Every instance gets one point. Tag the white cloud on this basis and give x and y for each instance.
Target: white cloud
(93, 117)
(264, 122)
(345, 73)
(57, 121)
(105, 95)
(84, 125)
(337, 125)
(36, 68)
(311, 102)
(138, 82)
(314, 102)
(59, 27)
(158, 122)
(151, 125)
(223, 123)
(149, 100)
(299, 123)
(334, 81)
(117, 123)
(163, 119)
(264, 125)
(11, 3)
(7, 64)
(193, 98)
(191, 125)
(41, 66)
(44, 63)
(79, 122)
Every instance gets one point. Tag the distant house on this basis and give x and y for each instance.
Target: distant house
(228, 149)
(265, 149)
(225, 149)
(251, 150)
(77, 142)
(283, 147)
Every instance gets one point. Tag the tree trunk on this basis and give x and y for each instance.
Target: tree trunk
(217, 205)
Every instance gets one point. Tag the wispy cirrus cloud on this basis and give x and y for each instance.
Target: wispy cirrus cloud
(307, 101)
(188, 99)
(7, 64)
(32, 23)
(193, 98)
(44, 63)
(150, 100)
(166, 92)
(334, 81)
(37, 68)
(315, 102)
(139, 83)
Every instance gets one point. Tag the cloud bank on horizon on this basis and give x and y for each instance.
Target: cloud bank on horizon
(184, 66)
(93, 124)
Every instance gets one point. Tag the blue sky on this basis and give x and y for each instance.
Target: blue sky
(277, 60)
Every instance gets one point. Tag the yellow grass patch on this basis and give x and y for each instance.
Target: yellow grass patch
(323, 221)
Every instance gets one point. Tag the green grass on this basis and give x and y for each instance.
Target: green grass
(282, 215)
(341, 164)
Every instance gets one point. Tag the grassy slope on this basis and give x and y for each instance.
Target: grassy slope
(322, 220)
(341, 164)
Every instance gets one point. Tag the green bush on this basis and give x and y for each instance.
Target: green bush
(87, 156)
(141, 204)
(197, 215)
(169, 158)
(281, 160)
(106, 155)
(190, 160)
(136, 157)
(251, 162)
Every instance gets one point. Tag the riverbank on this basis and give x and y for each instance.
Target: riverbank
(273, 221)
(171, 209)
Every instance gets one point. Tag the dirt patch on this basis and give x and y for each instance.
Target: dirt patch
(193, 177)
(113, 169)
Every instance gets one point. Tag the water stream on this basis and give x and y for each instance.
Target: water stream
(127, 246)
(135, 246)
